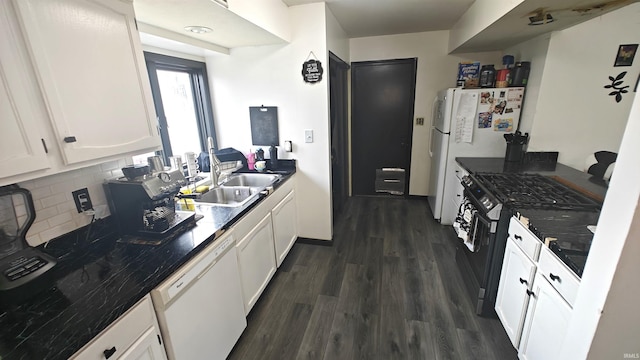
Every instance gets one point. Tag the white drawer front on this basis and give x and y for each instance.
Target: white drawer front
(559, 275)
(120, 335)
(528, 242)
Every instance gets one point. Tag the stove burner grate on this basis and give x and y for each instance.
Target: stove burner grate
(533, 190)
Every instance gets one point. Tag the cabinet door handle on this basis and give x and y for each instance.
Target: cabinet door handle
(554, 277)
(109, 352)
(517, 237)
(523, 281)
(44, 145)
(529, 292)
(70, 139)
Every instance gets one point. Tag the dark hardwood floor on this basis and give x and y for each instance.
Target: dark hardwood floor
(388, 288)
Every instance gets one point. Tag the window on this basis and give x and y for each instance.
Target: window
(182, 103)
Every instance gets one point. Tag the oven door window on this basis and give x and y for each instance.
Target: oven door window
(471, 226)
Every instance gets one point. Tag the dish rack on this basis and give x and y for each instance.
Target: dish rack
(230, 166)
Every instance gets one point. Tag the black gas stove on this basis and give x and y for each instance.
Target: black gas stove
(491, 199)
(534, 191)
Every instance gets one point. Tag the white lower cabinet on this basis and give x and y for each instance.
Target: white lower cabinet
(135, 335)
(146, 348)
(284, 226)
(257, 261)
(546, 325)
(533, 309)
(515, 280)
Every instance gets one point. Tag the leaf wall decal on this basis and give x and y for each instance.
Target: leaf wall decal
(615, 85)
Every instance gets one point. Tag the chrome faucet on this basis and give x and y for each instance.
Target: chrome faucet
(214, 163)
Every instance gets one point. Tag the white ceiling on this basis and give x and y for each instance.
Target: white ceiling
(360, 18)
(229, 29)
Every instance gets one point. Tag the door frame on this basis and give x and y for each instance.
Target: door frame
(342, 125)
(413, 61)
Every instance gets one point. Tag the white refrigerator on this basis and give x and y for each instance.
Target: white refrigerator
(467, 123)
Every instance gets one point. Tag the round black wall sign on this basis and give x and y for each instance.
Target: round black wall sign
(312, 71)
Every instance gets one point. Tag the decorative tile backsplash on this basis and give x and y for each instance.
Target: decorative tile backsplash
(56, 212)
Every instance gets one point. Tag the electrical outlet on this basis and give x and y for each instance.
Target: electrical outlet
(308, 136)
(82, 200)
(420, 121)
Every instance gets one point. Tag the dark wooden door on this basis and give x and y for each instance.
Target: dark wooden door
(383, 95)
(339, 139)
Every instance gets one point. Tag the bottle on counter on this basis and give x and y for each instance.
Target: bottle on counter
(273, 157)
(251, 160)
(259, 154)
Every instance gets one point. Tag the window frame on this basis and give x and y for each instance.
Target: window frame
(201, 96)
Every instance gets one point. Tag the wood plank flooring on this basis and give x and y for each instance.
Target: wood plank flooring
(388, 288)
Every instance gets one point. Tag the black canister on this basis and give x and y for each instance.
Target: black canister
(487, 76)
(273, 157)
(520, 74)
(516, 146)
(515, 152)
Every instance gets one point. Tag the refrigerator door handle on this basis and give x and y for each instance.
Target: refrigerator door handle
(435, 112)
(431, 142)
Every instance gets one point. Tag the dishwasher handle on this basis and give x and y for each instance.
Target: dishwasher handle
(205, 271)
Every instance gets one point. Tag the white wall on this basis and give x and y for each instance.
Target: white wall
(535, 51)
(605, 323)
(436, 71)
(337, 40)
(271, 76)
(480, 15)
(574, 114)
(271, 15)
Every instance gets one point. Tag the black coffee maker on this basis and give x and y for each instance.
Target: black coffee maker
(20, 264)
(144, 206)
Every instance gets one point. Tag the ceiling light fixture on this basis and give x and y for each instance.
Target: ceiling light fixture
(541, 19)
(198, 29)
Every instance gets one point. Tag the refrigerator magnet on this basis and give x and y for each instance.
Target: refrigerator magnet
(503, 124)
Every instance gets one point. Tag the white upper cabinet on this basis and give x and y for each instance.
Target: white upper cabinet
(21, 144)
(89, 63)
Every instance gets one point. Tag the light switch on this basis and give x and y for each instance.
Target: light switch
(308, 136)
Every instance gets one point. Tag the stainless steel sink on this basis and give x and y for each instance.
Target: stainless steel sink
(228, 195)
(252, 180)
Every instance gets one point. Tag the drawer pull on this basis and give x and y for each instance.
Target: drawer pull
(70, 139)
(517, 237)
(109, 352)
(554, 277)
(529, 292)
(523, 281)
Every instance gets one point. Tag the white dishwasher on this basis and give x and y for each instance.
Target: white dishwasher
(200, 307)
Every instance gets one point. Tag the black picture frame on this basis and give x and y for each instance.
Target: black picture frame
(625, 55)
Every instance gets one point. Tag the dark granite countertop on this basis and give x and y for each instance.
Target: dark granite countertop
(571, 237)
(568, 227)
(98, 280)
